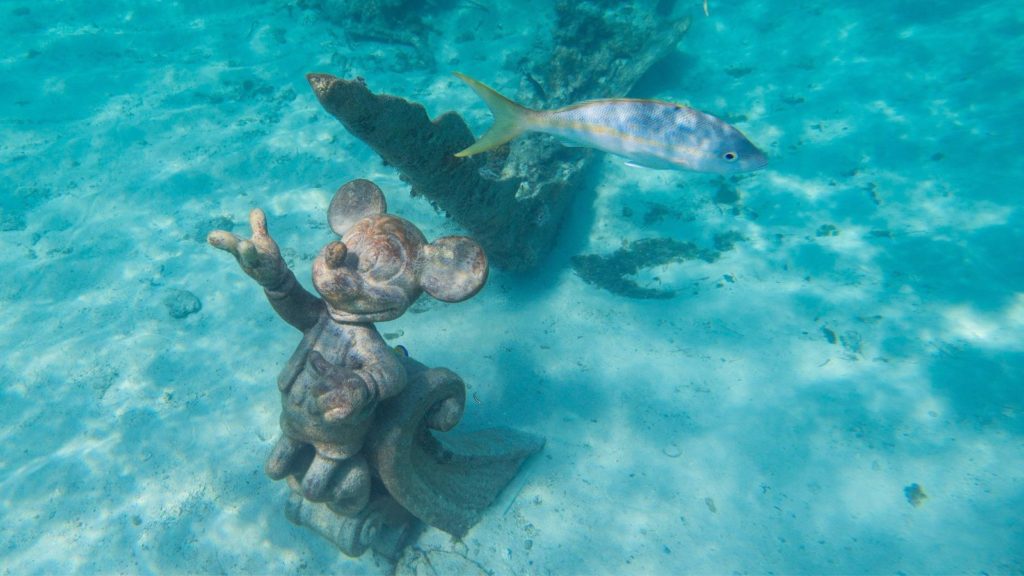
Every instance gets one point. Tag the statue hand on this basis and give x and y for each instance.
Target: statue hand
(340, 393)
(259, 257)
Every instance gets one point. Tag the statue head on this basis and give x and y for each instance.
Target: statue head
(382, 263)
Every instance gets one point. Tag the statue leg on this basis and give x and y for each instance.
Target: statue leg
(351, 490)
(283, 457)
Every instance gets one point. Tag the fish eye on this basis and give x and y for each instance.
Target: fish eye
(729, 156)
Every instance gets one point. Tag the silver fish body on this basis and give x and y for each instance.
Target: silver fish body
(655, 134)
(646, 132)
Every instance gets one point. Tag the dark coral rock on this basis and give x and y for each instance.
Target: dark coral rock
(494, 211)
(827, 230)
(656, 213)
(725, 241)
(15, 206)
(609, 272)
(915, 494)
(398, 24)
(182, 303)
(726, 193)
(11, 221)
(597, 52)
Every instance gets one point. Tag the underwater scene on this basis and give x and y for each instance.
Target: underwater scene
(430, 287)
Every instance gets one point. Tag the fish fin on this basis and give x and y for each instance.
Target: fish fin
(510, 119)
(572, 143)
(651, 164)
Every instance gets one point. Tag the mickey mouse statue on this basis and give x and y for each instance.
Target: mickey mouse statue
(343, 373)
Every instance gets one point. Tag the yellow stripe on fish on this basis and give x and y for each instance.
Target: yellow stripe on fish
(624, 136)
(650, 133)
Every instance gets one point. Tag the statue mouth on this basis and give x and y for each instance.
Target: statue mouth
(382, 314)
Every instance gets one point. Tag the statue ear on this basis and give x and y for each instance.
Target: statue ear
(452, 268)
(354, 201)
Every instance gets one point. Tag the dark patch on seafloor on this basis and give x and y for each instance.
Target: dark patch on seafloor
(203, 228)
(401, 25)
(849, 340)
(181, 303)
(915, 494)
(610, 272)
(16, 205)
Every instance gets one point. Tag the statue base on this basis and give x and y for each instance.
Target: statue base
(447, 479)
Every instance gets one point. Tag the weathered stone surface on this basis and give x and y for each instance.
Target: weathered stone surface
(356, 414)
(446, 480)
(382, 525)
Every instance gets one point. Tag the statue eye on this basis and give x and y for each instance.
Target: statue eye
(729, 156)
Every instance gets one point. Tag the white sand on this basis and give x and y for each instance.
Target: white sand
(716, 432)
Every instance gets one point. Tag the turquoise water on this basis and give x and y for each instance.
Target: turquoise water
(839, 391)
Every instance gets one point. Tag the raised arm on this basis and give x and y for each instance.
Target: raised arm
(260, 258)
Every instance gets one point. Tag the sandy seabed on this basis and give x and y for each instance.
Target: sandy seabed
(865, 336)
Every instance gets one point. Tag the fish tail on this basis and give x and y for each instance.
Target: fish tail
(510, 119)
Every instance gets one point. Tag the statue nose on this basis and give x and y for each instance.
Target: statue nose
(334, 256)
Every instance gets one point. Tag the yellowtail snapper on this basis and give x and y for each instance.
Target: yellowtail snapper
(648, 133)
